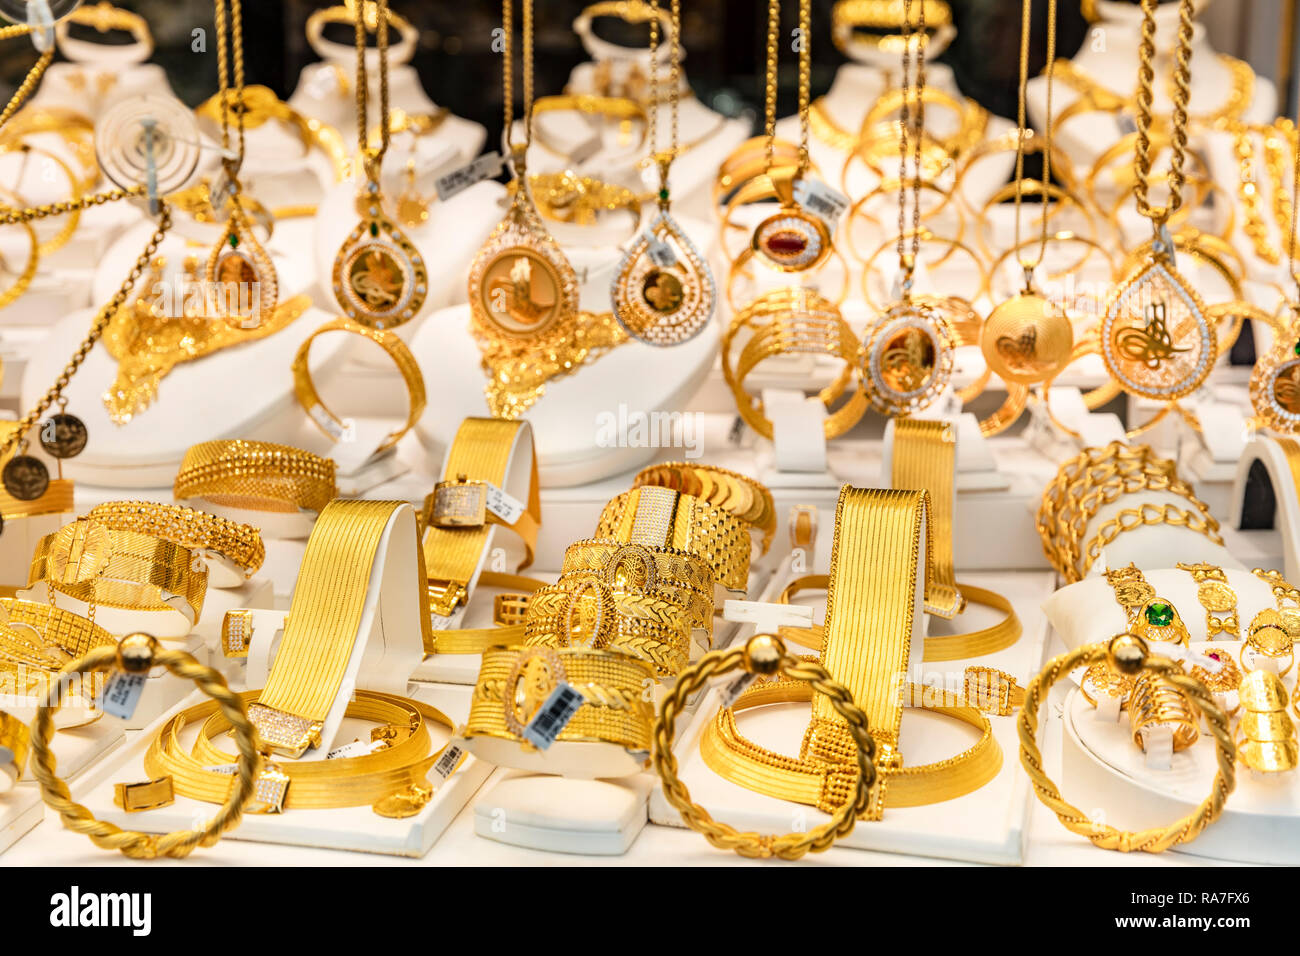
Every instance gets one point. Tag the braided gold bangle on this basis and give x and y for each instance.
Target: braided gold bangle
(764, 654)
(1129, 656)
(136, 654)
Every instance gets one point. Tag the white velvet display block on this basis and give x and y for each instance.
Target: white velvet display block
(1101, 767)
(258, 591)
(354, 828)
(563, 815)
(78, 748)
(20, 810)
(986, 826)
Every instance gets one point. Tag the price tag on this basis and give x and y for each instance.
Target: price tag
(733, 688)
(450, 758)
(553, 716)
(229, 769)
(505, 506)
(826, 203)
(122, 694)
(449, 623)
(358, 748)
(458, 180)
(661, 253)
(339, 431)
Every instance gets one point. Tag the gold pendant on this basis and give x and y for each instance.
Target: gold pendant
(1027, 339)
(792, 240)
(1154, 335)
(907, 359)
(241, 275)
(379, 277)
(663, 292)
(1275, 385)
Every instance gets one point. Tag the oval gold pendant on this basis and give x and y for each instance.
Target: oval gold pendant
(1155, 338)
(1027, 339)
(792, 240)
(908, 357)
(1275, 388)
(379, 278)
(240, 274)
(663, 293)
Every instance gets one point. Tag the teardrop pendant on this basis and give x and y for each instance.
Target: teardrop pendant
(1155, 337)
(241, 276)
(1027, 339)
(379, 278)
(663, 293)
(1275, 385)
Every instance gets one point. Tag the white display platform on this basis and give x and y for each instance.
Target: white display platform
(537, 811)
(75, 750)
(986, 826)
(20, 809)
(354, 828)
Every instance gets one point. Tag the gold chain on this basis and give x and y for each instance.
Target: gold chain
(372, 157)
(664, 158)
(1180, 95)
(230, 34)
(1029, 267)
(769, 98)
(911, 33)
(805, 82)
(33, 75)
(1294, 140)
(507, 86)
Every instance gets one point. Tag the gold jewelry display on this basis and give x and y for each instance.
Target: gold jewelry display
(15, 744)
(1155, 703)
(663, 292)
(258, 105)
(1228, 678)
(764, 654)
(379, 278)
(1266, 736)
(240, 544)
(304, 389)
(742, 496)
(875, 24)
(136, 655)
(1218, 599)
(1130, 657)
(1270, 635)
(256, 476)
(1150, 617)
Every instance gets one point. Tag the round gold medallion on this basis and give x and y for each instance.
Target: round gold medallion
(520, 292)
(25, 477)
(1027, 339)
(537, 672)
(908, 358)
(662, 291)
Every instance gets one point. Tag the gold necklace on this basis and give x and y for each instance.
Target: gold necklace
(1154, 336)
(1028, 339)
(237, 263)
(379, 278)
(907, 359)
(663, 293)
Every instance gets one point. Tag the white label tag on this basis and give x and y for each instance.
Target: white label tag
(450, 758)
(358, 748)
(733, 688)
(553, 716)
(449, 623)
(824, 202)
(458, 180)
(122, 694)
(230, 769)
(505, 506)
(340, 431)
(661, 253)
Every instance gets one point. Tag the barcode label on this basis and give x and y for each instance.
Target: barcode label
(553, 716)
(826, 203)
(733, 688)
(505, 506)
(458, 180)
(661, 253)
(446, 764)
(122, 694)
(358, 748)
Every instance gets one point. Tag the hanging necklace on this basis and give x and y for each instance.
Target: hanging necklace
(1275, 381)
(1154, 336)
(663, 293)
(907, 360)
(1028, 339)
(237, 263)
(379, 278)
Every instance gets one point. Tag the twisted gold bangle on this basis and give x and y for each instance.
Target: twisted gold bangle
(764, 654)
(1127, 655)
(136, 654)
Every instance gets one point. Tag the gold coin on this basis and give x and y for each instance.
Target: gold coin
(1134, 593)
(520, 291)
(1286, 388)
(662, 291)
(1216, 596)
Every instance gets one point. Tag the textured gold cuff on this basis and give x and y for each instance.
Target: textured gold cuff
(255, 475)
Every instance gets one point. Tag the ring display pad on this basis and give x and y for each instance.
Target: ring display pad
(357, 829)
(1266, 494)
(581, 437)
(195, 401)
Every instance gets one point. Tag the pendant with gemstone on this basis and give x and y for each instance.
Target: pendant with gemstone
(379, 278)
(241, 276)
(907, 359)
(1275, 381)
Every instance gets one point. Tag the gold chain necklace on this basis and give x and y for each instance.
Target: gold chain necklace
(379, 278)
(907, 359)
(663, 292)
(1028, 339)
(1154, 336)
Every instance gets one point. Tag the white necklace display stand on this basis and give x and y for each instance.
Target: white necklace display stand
(1265, 498)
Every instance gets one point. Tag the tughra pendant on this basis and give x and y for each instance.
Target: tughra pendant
(663, 293)
(379, 278)
(241, 276)
(1275, 381)
(907, 360)
(1154, 336)
(1027, 339)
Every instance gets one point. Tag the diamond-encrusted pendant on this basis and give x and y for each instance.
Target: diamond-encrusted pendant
(792, 240)
(241, 275)
(663, 293)
(379, 277)
(1275, 385)
(907, 359)
(1155, 337)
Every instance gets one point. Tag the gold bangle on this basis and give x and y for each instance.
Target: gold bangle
(255, 475)
(73, 635)
(567, 197)
(15, 744)
(1129, 656)
(1156, 703)
(970, 124)
(1266, 736)
(136, 655)
(240, 544)
(742, 496)
(765, 654)
(1217, 598)
(619, 108)
(304, 389)
(260, 104)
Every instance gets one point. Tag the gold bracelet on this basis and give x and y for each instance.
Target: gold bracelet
(15, 743)
(742, 496)
(66, 634)
(1156, 703)
(103, 17)
(1218, 599)
(256, 476)
(1266, 736)
(58, 499)
(1149, 616)
(620, 109)
(663, 518)
(304, 389)
(240, 544)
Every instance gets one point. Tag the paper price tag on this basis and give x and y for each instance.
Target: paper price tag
(449, 623)
(122, 694)
(345, 430)
(553, 717)
(733, 688)
(505, 506)
(229, 769)
(449, 760)
(358, 748)
(661, 253)
(826, 203)
(458, 180)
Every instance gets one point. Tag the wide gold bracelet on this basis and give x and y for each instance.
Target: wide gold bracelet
(1129, 656)
(241, 544)
(738, 494)
(256, 476)
(304, 389)
(53, 627)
